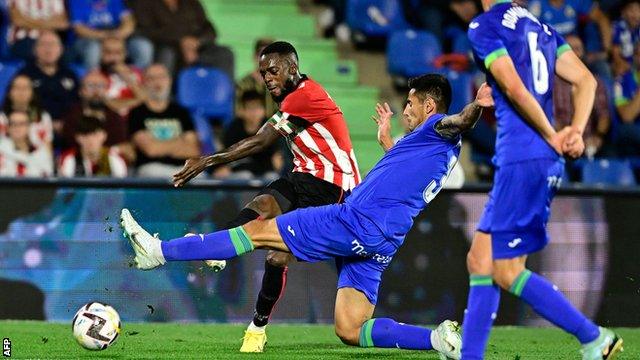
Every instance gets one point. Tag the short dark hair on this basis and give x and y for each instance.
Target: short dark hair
(89, 125)
(251, 95)
(626, 4)
(261, 44)
(435, 86)
(280, 48)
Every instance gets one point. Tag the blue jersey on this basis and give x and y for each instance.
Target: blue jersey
(626, 87)
(98, 14)
(405, 180)
(564, 18)
(512, 30)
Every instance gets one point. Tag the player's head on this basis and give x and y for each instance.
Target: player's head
(630, 12)
(429, 94)
(279, 69)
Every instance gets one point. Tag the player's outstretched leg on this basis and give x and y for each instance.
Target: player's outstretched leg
(546, 300)
(225, 244)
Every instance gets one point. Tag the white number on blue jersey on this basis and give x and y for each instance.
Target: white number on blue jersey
(538, 65)
(434, 186)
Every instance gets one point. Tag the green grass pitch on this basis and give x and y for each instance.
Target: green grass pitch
(41, 340)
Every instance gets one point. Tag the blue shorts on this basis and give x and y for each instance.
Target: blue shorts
(336, 232)
(519, 206)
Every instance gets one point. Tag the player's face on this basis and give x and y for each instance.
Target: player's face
(277, 72)
(415, 111)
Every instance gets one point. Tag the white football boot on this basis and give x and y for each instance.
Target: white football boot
(446, 339)
(147, 248)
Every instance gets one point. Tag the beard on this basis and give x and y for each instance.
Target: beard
(289, 87)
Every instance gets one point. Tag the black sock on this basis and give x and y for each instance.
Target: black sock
(244, 216)
(273, 283)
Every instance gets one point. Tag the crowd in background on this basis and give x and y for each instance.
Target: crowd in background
(94, 94)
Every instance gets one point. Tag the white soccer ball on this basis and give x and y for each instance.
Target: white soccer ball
(96, 326)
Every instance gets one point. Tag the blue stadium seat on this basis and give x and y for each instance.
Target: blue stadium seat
(7, 71)
(608, 172)
(411, 53)
(79, 70)
(460, 89)
(375, 18)
(205, 134)
(206, 91)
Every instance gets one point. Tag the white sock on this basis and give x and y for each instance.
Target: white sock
(255, 328)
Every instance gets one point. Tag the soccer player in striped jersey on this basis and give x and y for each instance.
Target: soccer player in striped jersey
(362, 234)
(325, 167)
(520, 56)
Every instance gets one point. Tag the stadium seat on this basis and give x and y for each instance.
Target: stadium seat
(7, 71)
(207, 92)
(608, 172)
(411, 53)
(460, 89)
(375, 18)
(205, 134)
(79, 70)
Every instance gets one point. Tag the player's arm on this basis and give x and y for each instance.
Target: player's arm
(453, 125)
(604, 25)
(266, 136)
(383, 120)
(505, 74)
(570, 68)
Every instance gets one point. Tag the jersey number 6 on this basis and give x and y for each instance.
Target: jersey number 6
(538, 65)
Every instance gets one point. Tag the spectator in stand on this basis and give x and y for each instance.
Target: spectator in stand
(597, 130)
(21, 97)
(18, 155)
(93, 104)
(627, 100)
(55, 84)
(124, 91)
(92, 157)
(251, 116)
(626, 35)
(161, 131)
(97, 20)
(182, 34)
(253, 82)
(28, 18)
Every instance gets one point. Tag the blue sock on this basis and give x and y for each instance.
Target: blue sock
(551, 304)
(220, 245)
(482, 307)
(386, 333)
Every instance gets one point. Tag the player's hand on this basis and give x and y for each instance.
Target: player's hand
(558, 139)
(192, 167)
(383, 120)
(483, 97)
(573, 145)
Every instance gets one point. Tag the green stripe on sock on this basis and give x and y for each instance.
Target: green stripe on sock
(235, 240)
(521, 281)
(365, 333)
(246, 240)
(480, 280)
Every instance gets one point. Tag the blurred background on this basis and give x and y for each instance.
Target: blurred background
(96, 95)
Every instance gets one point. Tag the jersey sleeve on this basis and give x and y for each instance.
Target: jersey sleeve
(485, 41)
(286, 124)
(561, 43)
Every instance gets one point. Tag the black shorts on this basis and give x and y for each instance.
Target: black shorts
(299, 190)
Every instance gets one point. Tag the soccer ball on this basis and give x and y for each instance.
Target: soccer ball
(96, 326)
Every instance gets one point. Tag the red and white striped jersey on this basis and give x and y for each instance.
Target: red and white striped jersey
(35, 9)
(317, 135)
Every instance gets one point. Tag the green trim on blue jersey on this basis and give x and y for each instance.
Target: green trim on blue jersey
(518, 285)
(562, 49)
(365, 333)
(493, 56)
(620, 101)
